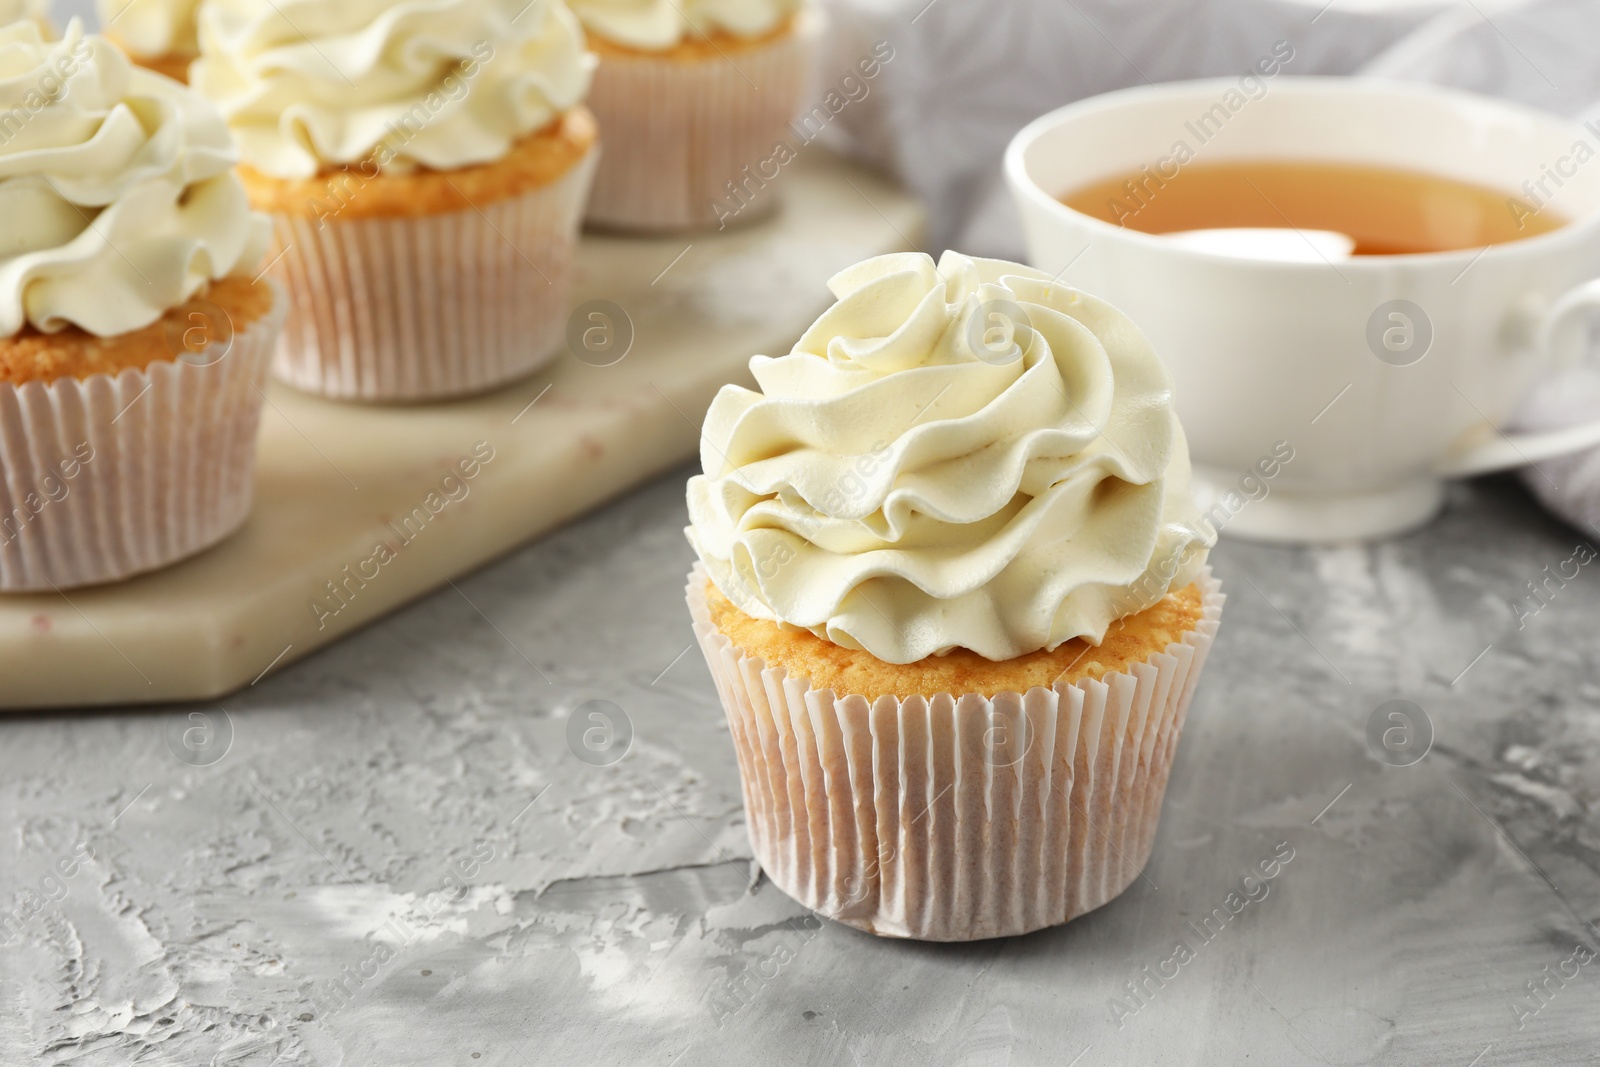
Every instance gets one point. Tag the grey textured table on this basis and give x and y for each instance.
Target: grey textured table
(403, 814)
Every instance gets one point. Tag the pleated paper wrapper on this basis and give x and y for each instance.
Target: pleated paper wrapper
(434, 306)
(677, 133)
(955, 817)
(107, 477)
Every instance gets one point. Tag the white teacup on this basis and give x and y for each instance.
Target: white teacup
(1380, 375)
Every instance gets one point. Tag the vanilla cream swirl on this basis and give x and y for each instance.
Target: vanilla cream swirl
(15, 10)
(313, 85)
(151, 28)
(117, 193)
(965, 455)
(655, 25)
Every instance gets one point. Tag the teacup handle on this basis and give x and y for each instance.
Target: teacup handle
(1520, 449)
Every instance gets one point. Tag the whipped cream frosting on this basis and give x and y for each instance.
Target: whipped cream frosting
(312, 85)
(151, 28)
(655, 25)
(14, 10)
(962, 455)
(117, 197)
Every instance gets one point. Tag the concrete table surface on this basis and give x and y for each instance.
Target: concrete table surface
(421, 846)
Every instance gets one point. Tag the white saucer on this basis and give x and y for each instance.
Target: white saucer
(1287, 517)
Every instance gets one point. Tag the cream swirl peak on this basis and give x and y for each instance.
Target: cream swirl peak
(151, 28)
(117, 197)
(656, 25)
(313, 85)
(962, 455)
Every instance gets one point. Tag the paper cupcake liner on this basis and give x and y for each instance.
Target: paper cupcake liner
(429, 307)
(103, 478)
(676, 134)
(955, 817)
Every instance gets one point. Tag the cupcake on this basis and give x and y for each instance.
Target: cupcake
(425, 163)
(158, 35)
(134, 340)
(952, 589)
(693, 97)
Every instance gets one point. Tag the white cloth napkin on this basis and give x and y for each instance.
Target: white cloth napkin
(1568, 485)
(967, 74)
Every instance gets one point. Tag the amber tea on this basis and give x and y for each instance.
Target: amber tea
(1387, 211)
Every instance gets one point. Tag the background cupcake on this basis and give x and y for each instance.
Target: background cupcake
(953, 592)
(426, 164)
(133, 340)
(689, 93)
(156, 34)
